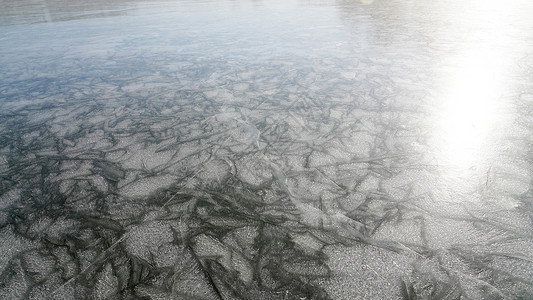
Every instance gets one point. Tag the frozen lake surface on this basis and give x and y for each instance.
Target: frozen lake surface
(266, 149)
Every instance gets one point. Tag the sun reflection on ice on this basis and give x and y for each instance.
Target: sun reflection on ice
(475, 87)
(472, 108)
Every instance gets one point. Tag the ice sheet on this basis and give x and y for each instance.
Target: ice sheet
(266, 150)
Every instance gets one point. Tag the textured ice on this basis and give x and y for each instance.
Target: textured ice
(12, 245)
(106, 283)
(144, 240)
(147, 186)
(266, 150)
(353, 267)
(14, 283)
(9, 198)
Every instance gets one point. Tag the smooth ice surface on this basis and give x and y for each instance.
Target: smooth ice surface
(364, 149)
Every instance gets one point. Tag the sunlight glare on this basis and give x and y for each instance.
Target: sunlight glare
(474, 90)
(471, 108)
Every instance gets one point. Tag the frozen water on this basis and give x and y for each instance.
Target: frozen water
(266, 149)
